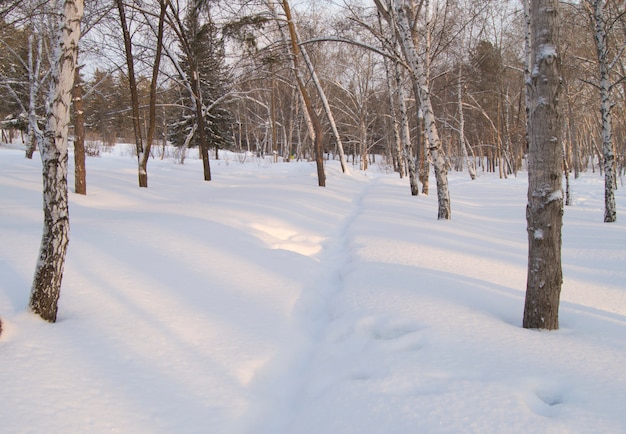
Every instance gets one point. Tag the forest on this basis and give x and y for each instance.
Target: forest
(234, 63)
(288, 270)
(430, 86)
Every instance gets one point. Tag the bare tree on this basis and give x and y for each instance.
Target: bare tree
(143, 149)
(304, 94)
(29, 70)
(80, 170)
(400, 14)
(188, 40)
(49, 269)
(544, 212)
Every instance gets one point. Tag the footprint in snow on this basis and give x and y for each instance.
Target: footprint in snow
(546, 400)
(399, 336)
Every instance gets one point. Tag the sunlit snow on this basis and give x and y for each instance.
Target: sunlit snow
(260, 303)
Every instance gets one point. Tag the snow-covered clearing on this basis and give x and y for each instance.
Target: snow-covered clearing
(259, 303)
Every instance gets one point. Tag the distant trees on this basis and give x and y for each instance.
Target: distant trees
(26, 60)
(460, 80)
(441, 84)
(105, 104)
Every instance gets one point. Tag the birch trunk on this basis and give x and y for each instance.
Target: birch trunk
(418, 74)
(470, 163)
(396, 150)
(35, 135)
(405, 132)
(608, 154)
(363, 144)
(49, 269)
(544, 212)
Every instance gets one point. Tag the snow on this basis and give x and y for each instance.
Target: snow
(547, 52)
(259, 303)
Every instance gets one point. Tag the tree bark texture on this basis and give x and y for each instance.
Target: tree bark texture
(49, 269)
(544, 211)
(80, 172)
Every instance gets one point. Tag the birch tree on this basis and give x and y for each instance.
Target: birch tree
(46, 287)
(544, 211)
(404, 129)
(29, 67)
(596, 9)
(471, 168)
(397, 14)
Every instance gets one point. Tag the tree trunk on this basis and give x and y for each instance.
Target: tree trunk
(397, 147)
(405, 133)
(470, 163)
(200, 121)
(49, 269)
(134, 98)
(326, 105)
(80, 173)
(314, 119)
(35, 135)
(145, 154)
(610, 179)
(573, 138)
(418, 74)
(544, 212)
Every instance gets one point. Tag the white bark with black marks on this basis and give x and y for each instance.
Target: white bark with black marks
(419, 76)
(49, 269)
(405, 132)
(601, 39)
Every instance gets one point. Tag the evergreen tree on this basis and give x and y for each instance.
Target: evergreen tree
(206, 56)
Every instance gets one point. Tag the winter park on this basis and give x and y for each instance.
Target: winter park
(260, 303)
(247, 218)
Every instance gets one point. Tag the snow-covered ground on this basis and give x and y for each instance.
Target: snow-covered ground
(259, 303)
